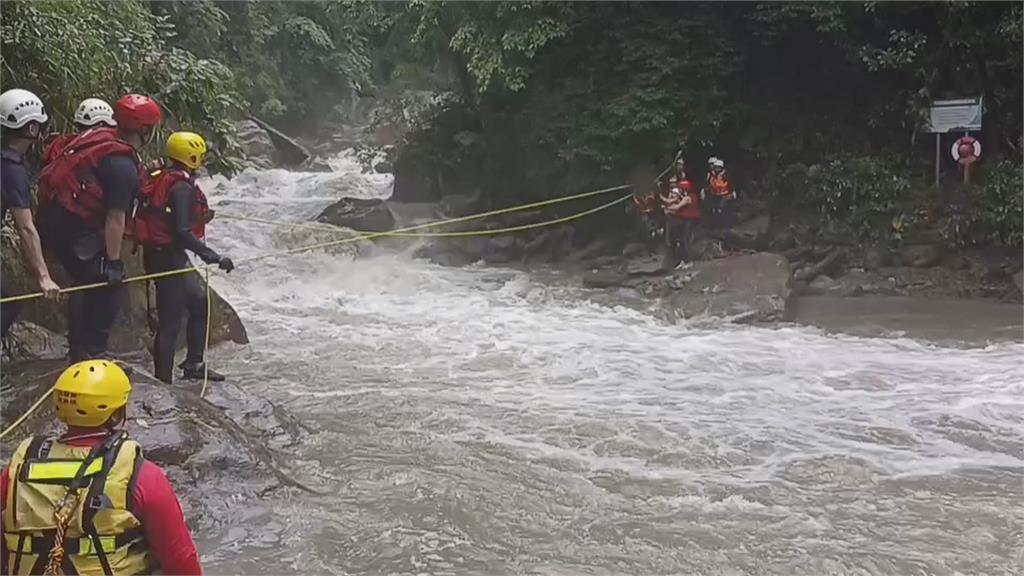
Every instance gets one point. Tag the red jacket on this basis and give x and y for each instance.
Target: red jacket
(156, 506)
(690, 211)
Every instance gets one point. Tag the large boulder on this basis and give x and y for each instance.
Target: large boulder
(752, 234)
(229, 438)
(416, 179)
(290, 152)
(750, 287)
(259, 149)
(366, 215)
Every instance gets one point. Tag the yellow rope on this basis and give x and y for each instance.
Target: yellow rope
(467, 233)
(27, 413)
(460, 234)
(499, 212)
(206, 268)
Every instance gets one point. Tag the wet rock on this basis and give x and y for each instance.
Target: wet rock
(921, 255)
(820, 285)
(634, 250)
(189, 436)
(649, 265)
(289, 152)
(368, 215)
(854, 283)
(830, 263)
(416, 180)
(750, 287)
(502, 249)
(782, 240)
(877, 256)
(752, 234)
(255, 142)
(605, 279)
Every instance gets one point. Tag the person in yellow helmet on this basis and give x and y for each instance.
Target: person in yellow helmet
(172, 217)
(88, 502)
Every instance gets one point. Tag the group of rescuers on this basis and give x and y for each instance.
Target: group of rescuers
(670, 210)
(88, 502)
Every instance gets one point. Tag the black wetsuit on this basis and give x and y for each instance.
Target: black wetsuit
(178, 293)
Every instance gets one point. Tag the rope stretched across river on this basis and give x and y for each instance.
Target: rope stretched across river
(366, 236)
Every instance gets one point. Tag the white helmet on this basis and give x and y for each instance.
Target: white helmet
(712, 160)
(93, 111)
(19, 107)
(718, 163)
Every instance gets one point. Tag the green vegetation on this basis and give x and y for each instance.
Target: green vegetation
(819, 105)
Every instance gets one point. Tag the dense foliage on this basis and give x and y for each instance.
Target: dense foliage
(206, 62)
(536, 97)
(558, 95)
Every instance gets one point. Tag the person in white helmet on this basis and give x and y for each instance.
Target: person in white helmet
(719, 192)
(22, 118)
(90, 113)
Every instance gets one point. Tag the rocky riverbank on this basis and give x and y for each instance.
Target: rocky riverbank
(749, 272)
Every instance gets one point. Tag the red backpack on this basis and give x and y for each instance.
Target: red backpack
(152, 225)
(69, 180)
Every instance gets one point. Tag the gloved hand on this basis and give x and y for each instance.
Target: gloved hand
(226, 264)
(111, 271)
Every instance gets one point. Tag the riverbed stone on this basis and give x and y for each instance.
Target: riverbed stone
(366, 215)
(256, 144)
(820, 285)
(749, 287)
(921, 255)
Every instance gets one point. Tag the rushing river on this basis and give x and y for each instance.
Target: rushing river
(482, 421)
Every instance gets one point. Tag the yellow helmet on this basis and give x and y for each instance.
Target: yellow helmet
(188, 148)
(88, 393)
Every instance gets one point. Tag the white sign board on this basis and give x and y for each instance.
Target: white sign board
(961, 114)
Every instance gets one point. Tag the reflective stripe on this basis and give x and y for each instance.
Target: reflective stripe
(86, 548)
(57, 470)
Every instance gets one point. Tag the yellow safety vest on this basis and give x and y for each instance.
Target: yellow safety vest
(103, 536)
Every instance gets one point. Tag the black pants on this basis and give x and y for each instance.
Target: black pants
(679, 236)
(91, 313)
(721, 209)
(175, 295)
(8, 311)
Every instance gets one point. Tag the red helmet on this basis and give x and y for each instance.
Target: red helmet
(135, 112)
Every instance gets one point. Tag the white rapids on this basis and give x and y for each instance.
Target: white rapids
(479, 421)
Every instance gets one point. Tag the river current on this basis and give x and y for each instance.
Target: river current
(482, 420)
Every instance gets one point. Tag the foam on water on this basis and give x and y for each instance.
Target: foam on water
(477, 420)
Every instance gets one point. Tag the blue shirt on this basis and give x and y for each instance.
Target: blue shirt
(14, 182)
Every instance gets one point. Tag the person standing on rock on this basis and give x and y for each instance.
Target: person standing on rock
(91, 112)
(171, 219)
(718, 193)
(22, 117)
(88, 502)
(681, 216)
(85, 196)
